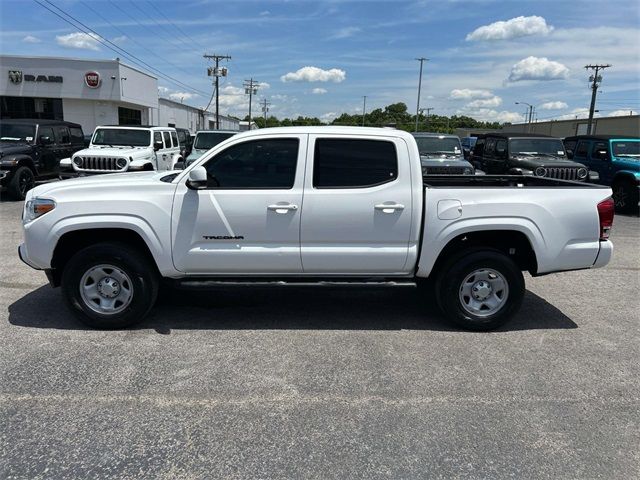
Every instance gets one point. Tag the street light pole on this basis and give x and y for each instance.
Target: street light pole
(421, 60)
(529, 115)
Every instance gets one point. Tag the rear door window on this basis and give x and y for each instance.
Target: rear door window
(174, 139)
(352, 163)
(167, 139)
(62, 135)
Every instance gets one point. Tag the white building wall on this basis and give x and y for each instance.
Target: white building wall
(182, 116)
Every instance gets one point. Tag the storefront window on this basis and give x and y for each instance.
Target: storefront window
(129, 116)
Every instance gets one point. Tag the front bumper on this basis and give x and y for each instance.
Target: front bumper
(22, 254)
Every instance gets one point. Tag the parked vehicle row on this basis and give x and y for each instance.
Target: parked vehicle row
(369, 214)
(31, 150)
(442, 154)
(616, 159)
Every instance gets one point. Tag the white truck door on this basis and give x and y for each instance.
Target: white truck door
(357, 210)
(248, 219)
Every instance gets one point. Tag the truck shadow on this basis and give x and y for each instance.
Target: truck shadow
(284, 308)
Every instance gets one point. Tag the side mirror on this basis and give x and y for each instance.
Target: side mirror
(197, 178)
(157, 146)
(45, 140)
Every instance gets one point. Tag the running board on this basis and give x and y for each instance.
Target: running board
(192, 283)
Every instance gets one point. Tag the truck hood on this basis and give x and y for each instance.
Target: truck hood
(628, 163)
(98, 182)
(107, 151)
(428, 161)
(12, 148)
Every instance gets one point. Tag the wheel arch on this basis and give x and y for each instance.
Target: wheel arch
(513, 243)
(73, 241)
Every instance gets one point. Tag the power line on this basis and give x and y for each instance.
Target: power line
(130, 38)
(176, 26)
(112, 46)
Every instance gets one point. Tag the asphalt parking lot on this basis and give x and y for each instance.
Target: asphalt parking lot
(323, 383)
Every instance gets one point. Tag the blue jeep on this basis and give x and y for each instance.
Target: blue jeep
(617, 159)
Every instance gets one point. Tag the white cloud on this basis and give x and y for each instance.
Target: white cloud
(491, 115)
(534, 68)
(264, 85)
(315, 74)
(180, 96)
(553, 106)
(163, 89)
(264, 13)
(468, 93)
(345, 32)
(31, 39)
(622, 113)
(319, 91)
(86, 41)
(513, 28)
(328, 117)
(494, 101)
(120, 39)
(581, 112)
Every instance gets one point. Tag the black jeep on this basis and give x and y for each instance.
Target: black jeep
(31, 150)
(527, 154)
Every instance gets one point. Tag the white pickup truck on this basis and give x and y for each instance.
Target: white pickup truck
(311, 204)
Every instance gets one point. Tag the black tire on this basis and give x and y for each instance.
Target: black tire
(625, 196)
(22, 181)
(142, 273)
(450, 281)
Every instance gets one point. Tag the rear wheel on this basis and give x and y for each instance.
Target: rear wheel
(480, 289)
(625, 196)
(23, 180)
(110, 285)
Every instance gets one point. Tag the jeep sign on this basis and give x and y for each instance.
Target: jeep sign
(92, 79)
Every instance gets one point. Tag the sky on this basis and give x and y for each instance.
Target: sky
(319, 58)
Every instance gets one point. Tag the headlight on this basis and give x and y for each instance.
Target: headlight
(540, 172)
(121, 162)
(468, 171)
(582, 173)
(78, 162)
(36, 208)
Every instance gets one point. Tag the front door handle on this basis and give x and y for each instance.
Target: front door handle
(282, 208)
(389, 207)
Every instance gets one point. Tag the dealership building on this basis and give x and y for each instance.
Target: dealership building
(92, 93)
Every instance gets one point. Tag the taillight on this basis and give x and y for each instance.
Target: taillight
(606, 210)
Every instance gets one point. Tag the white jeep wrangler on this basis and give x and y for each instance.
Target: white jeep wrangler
(115, 149)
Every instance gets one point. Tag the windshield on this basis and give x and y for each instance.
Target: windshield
(626, 149)
(439, 145)
(205, 141)
(537, 146)
(122, 137)
(15, 132)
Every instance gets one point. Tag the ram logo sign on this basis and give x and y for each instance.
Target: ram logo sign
(92, 79)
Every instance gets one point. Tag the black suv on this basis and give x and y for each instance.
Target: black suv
(31, 150)
(526, 154)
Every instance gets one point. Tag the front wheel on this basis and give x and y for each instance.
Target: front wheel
(480, 289)
(23, 180)
(110, 285)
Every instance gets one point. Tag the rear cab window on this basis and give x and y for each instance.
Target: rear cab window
(353, 163)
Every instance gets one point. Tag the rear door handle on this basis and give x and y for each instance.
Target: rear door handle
(282, 208)
(389, 207)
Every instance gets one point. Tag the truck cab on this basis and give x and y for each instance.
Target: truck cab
(616, 158)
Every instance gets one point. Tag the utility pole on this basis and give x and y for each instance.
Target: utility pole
(421, 60)
(251, 89)
(595, 80)
(217, 72)
(364, 107)
(265, 109)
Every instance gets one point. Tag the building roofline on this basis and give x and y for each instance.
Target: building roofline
(88, 60)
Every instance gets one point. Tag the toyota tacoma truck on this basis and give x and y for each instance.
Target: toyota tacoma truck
(311, 204)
